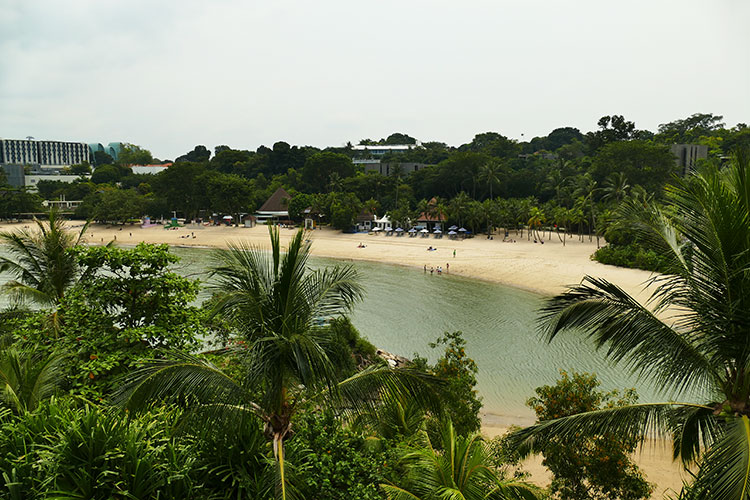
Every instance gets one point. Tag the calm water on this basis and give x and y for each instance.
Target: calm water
(405, 309)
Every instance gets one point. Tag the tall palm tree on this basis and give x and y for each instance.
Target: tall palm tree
(490, 174)
(536, 218)
(460, 469)
(40, 261)
(277, 305)
(695, 338)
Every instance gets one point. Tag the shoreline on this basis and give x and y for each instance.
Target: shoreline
(545, 269)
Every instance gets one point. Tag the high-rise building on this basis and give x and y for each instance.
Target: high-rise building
(43, 153)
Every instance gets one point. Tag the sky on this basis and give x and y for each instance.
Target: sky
(168, 75)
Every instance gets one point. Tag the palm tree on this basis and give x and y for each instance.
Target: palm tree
(28, 378)
(43, 267)
(490, 173)
(536, 218)
(695, 339)
(459, 469)
(459, 207)
(586, 190)
(615, 187)
(277, 306)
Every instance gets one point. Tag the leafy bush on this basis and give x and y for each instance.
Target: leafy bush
(460, 399)
(63, 451)
(632, 256)
(348, 350)
(588, 467)
(334, 462)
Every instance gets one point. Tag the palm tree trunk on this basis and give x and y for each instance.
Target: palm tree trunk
(278, 452)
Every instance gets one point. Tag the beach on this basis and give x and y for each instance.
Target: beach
(543, 268)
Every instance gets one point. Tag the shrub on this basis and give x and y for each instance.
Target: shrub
(588, 467)
(631, 256)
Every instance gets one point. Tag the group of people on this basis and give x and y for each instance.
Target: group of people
(439, 269)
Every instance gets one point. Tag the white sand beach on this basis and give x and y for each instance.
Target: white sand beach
(544, 268)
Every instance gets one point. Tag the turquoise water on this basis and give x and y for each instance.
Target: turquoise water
(405, 309)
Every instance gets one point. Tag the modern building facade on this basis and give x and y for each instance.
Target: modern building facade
(391, 168)
(43, 153)
(112, 149)
(687, 155)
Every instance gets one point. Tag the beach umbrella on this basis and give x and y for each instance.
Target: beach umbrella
(437, 231)
(399, 230)
(424, 231)
(376, 229)
(452, 233)
(453, 228)
(412, 230)
(462, 230)
(227, 217)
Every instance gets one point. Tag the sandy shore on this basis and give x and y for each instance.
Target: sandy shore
(546, 269)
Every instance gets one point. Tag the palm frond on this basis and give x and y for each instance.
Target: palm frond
(631, 422)
(725, 472)
(631, 333)
(368, 389)
(190, 382)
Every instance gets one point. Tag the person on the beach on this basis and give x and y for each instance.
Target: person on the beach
(447, 267)
(425, 268)
(454, 253)
(432, 269)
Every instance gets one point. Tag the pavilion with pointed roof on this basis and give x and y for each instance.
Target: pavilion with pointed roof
(275, 208)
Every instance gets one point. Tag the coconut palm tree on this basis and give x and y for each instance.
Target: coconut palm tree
(490, 174)
(459, 469)
(278, 307)
(536, 218)
(694, 339)
(40, 261)
(42, 264)
(615, 187)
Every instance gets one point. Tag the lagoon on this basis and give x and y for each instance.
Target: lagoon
(405, 309)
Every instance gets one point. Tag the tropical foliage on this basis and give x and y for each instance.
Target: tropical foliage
(694, 339)
(588, 467)
(276, 305)
(455, 467)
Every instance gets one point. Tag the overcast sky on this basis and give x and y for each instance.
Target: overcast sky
(170, 75)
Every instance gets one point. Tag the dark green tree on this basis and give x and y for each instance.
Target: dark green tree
(319, 167)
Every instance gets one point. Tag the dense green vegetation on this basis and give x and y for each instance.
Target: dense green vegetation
(105, 397)
(107, 393)
(566, 182)
(695, 338)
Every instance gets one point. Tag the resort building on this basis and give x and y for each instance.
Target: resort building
(31, 180)
(112, 149)
(377, 150)
(391, 168)
(43, 153)
(687, 155)
(150, 169)
(365, 221)
(275, 208)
